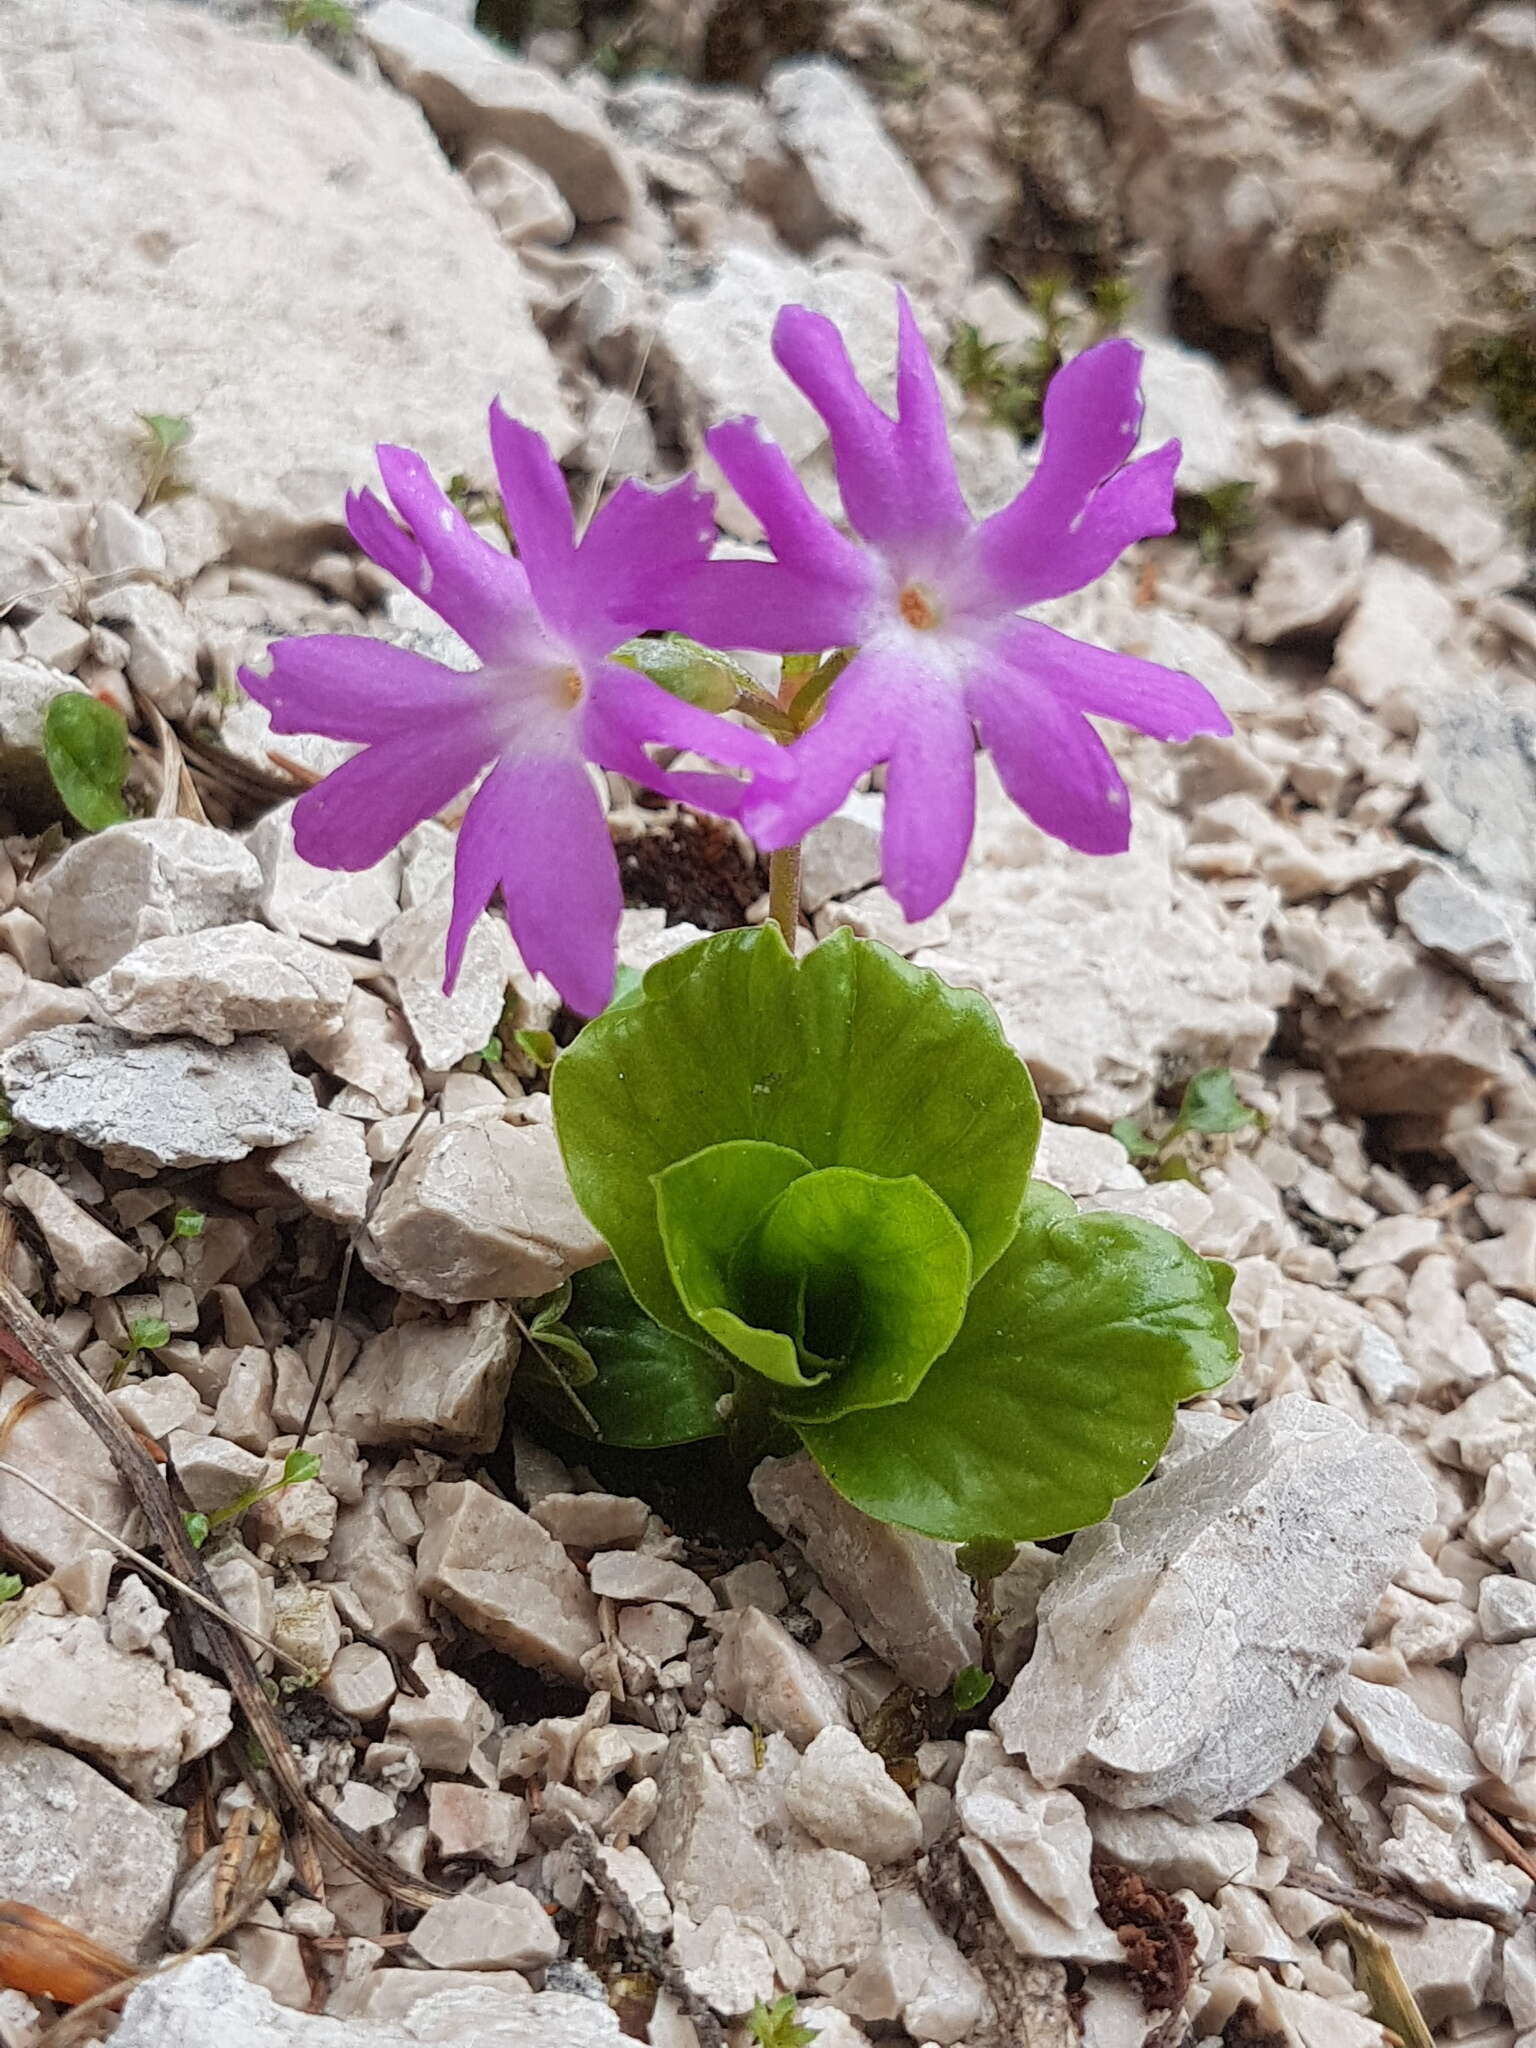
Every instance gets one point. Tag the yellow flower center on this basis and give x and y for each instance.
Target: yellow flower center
(571, 685)
(917, 608)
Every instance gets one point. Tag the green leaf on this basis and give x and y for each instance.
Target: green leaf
(688, 670)
(1133, 1138)
(148, 1333)
(850, 1057)
(166, 431)
(706, 1207)
(839, 1286)
(188, 1223)
(1212, 1105)
(10, 1587)
(539, 1046)
(197, 1528)
(644, 1386)
(298, 1467)
(627, 984)
(775, 2026)
(986, 1557)
(971, 1687)
(1057, 1396)
(85, 744)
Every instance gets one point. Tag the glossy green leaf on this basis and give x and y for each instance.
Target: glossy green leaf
(648, 1386)
(539, 1046)
(85, 744)
(1212, 1105)
(11, 1587)
(841, 1287)
(707, 1207)
(198, 1528)
(149, 1333)
(684, 668)
(1057, 1396)
(850, 1057)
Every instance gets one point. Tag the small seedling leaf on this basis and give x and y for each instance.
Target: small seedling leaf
(1212, 1105)
(197, 1528)
(775, 2026)
(300, 1466)
(167, 431)
(1133, 1138)
(971, 1687)
(148, 1333)
(188, 1223)
(539, 1046)
(10, 1587)
(85, 744)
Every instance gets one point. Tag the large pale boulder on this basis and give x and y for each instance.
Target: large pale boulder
(227, 228)
(1193, 1644)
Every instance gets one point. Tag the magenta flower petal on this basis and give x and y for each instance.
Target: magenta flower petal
(896, 476)
(539, 513)
(818, 590)
(638, 546)
(930, 801)
(1162, 702)
(345, 686)
(850, 737)
(472, 585)
(626, 714)
(369, 803)
(1052, 764)
(536, 827)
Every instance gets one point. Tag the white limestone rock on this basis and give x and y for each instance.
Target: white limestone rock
(1175, 1855)
(441, 1384)
(501, 1928)
(475, 93)
(1031, 1849)
(76, 1846)
(480, 1210)
(86, 1253)
(1454, 1867)
(1308, 581)
(842, 1794)
(1186, 397)
(447, 1028)
(61, 1679)
(333, 906)
(905, 1594)
(208, 1999)
(168, 1102)
(1415, 1748)
(763, 1675)
(50, 1441)
(110, 892)
(222, 984)
(525, 202)
(503, 1576)
(916, 1974)
(861, 180)
(1416, 501)
(1476, 931)
(1045, 936)
(328, 1168)
(291, 208)
(27, 688)
(1192, 1645)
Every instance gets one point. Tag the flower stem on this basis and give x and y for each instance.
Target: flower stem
(784, 891)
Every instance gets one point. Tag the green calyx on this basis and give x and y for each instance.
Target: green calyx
(814, 1179)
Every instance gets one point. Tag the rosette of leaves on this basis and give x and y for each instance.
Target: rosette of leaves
(814, 1177)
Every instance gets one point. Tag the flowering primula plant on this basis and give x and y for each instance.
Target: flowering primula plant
(929, 607)
(545, 701)
(814, 1174)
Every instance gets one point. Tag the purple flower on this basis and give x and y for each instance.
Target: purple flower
(931, 601)
(544, 703)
